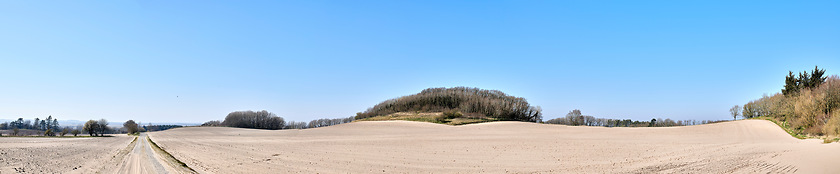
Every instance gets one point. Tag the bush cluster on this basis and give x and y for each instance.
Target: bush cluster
(96, 128)
(251, 119)
(809, 106)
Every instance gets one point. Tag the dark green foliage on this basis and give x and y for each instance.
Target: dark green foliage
(652, 122)
(34, 124)
(804, 81)
(490, 103)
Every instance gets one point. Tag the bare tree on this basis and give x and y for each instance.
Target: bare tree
(103, 127)
(735, 111)
(575, 118)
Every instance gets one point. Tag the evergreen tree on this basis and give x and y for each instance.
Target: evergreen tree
(791, 84)
(804, 80)
(49, 122)
(817, 77)
(652, 123)
(35, 125)
(55, 124)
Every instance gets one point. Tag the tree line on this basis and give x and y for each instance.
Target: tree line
(37, 124)
(46, 127)
(267, 120)
(490, 103)
(50, 127)
(809, 103)
(163, 127)
(576, 118)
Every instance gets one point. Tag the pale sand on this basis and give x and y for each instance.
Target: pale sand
(748, 146)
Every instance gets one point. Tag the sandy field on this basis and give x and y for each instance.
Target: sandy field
(747, 146)
(58, 155)
(106, 155)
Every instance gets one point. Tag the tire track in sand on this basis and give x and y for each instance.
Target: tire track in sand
(143, 158)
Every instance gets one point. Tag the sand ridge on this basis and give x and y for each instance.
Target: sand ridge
(747, 146)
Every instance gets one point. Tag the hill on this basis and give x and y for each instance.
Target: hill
(460, 102)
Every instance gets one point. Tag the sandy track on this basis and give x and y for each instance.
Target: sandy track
(141, 159)
(58, 155)
(748, 146)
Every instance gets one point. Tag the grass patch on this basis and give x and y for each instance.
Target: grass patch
(169, 156)
(434, 117)
(463, 121)
(785, 126)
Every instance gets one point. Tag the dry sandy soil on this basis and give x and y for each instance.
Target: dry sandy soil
(58, 155)
(118, 154)
(747, 146)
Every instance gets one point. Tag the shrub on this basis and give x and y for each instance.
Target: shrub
(75, 132)
(49, 132)
(64, 131)
(832, 127)
(440, 118)
(450, 114)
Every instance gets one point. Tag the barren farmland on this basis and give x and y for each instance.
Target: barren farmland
(747, 146)
(59, 155)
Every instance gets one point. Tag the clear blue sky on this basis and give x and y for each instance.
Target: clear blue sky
(193, 61)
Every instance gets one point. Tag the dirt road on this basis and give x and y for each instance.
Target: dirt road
(142, 159)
